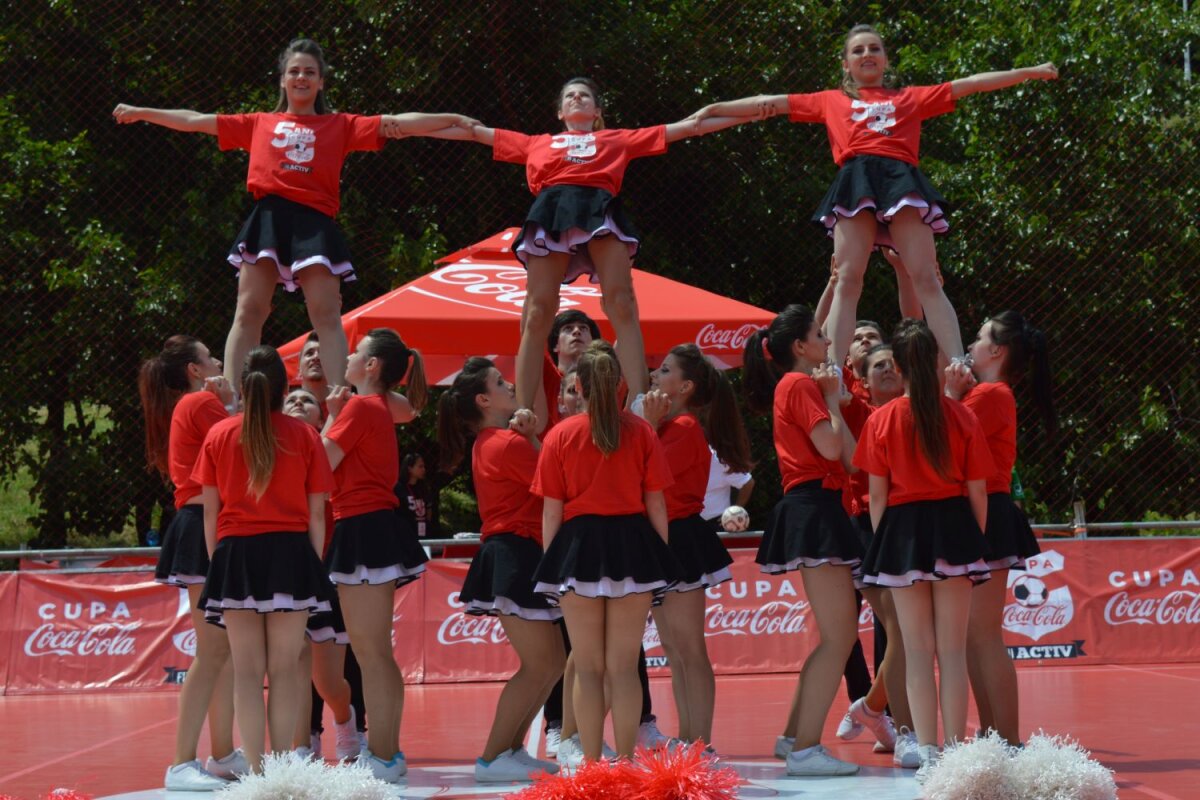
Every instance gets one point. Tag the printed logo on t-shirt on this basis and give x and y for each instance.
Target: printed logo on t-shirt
(579, 146)
(297, 142)
(879, 116)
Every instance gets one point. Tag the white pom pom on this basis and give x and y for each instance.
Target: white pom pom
(286, 777)
(735, 519)
(1057, 768)
(980, 769)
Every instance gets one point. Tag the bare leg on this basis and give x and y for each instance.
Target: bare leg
(569, 727)
(368, 613)
(329, 676)
(951, 612)
(891, 670)
(624, 623)
(679, 674)
(793, 720)
(830, 590)
(256, 285)
(853, 239)
(914, 609)
(323, 298)
(613, 268)
(585, 624)
(285, 638)
(208, 687)
(544, 276)
(993, 677)
(539, 645)
(915, 240)
(304, 665)
(684, 614)
(248, 647)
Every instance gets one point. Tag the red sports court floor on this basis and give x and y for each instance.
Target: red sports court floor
(1141, 721)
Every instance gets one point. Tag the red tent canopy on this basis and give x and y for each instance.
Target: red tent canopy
(471, 306)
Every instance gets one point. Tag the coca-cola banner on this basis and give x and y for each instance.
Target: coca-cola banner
(8, 615)
(460, 647)
(84, 632)
(407, 619)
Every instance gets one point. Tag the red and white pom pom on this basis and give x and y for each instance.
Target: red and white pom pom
(980, 769)
(1058, 768)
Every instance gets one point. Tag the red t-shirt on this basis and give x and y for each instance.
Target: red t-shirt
(688, 456)
(503, 463)
(552, 388)
(996, 409)
(856, 493)
(799, 407)
(855, 385)
(370, 463)
(298, 156)
(572, 469)
(194, 414)
(301, 469)
(595, 158)
(883, 122)
(889, 447)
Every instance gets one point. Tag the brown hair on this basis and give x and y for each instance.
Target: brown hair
(162, 380)
(713, 396)
(599, 376)
(1026, 354)
(309, 48)
(915, 351)
(764, 364)
(387, 346)
(264, 381)
(598, 122)
(849, 86)
(458, 415)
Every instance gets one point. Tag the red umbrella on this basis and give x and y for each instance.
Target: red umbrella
(471, 306)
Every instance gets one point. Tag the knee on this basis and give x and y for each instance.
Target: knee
(540, 311)
(252, 309)
(324, 308)
(620, 304)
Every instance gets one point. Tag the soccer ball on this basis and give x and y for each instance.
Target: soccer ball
(735, 519)
(1030, 591)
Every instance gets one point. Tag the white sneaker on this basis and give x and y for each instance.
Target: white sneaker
(608, 752)
(905, 755)
(505, 768)
(649, 736)
(314, 743)
(191, 777)
(552, 737)
(390, 771)
(849, 728)
(570, 752)
(302, 754)
(783, 746)
(535, 764)
(230, 767)
(880, 724)
(929, 758)
(347, 745)
(818, 761)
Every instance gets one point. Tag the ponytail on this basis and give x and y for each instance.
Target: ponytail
(162, 380)
(264, 381)
(1026, 352)
(768, 355)
(599, 376)
(458, 415)
(714, 397)
(386, 345)
(916, 352)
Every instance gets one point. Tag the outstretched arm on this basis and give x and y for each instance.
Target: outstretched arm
(178, 119)
(436, 126)
(991, 81)
(758, 107)
(694, 126)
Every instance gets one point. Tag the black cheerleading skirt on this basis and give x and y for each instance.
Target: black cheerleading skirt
(265, 572)
(563, 219)
(328, 626)
(928, 540)
(500, 580)
(809, 528)
(294, 236)
(865, 532)
(602, 556)
(376, 547)
(1010, 540)
(884, 185)
(699, 550)
(183, 560)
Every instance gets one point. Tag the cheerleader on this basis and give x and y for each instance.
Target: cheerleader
(785, 371)
(1006, 348)
(927, 461)
(264, 477)
(324, 656)
(604, 525)
(576, 225)
(500, 581)
(690, 389)
(296, 156)
(875, 134)
(374, 550)
(183, 395)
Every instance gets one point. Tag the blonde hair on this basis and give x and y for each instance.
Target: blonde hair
(599, 376)
(263, 382)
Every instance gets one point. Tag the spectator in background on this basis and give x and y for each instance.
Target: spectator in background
(721, 483)
(416, 498)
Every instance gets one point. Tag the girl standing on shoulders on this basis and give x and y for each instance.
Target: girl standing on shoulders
(296, 157)
(879, 197)
(500, 582)
(265, 478)
(183, 395)
(374, 550)
(690, 389)
(1006, 350)
(809, 530)
(927, 461)
(604, 524)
